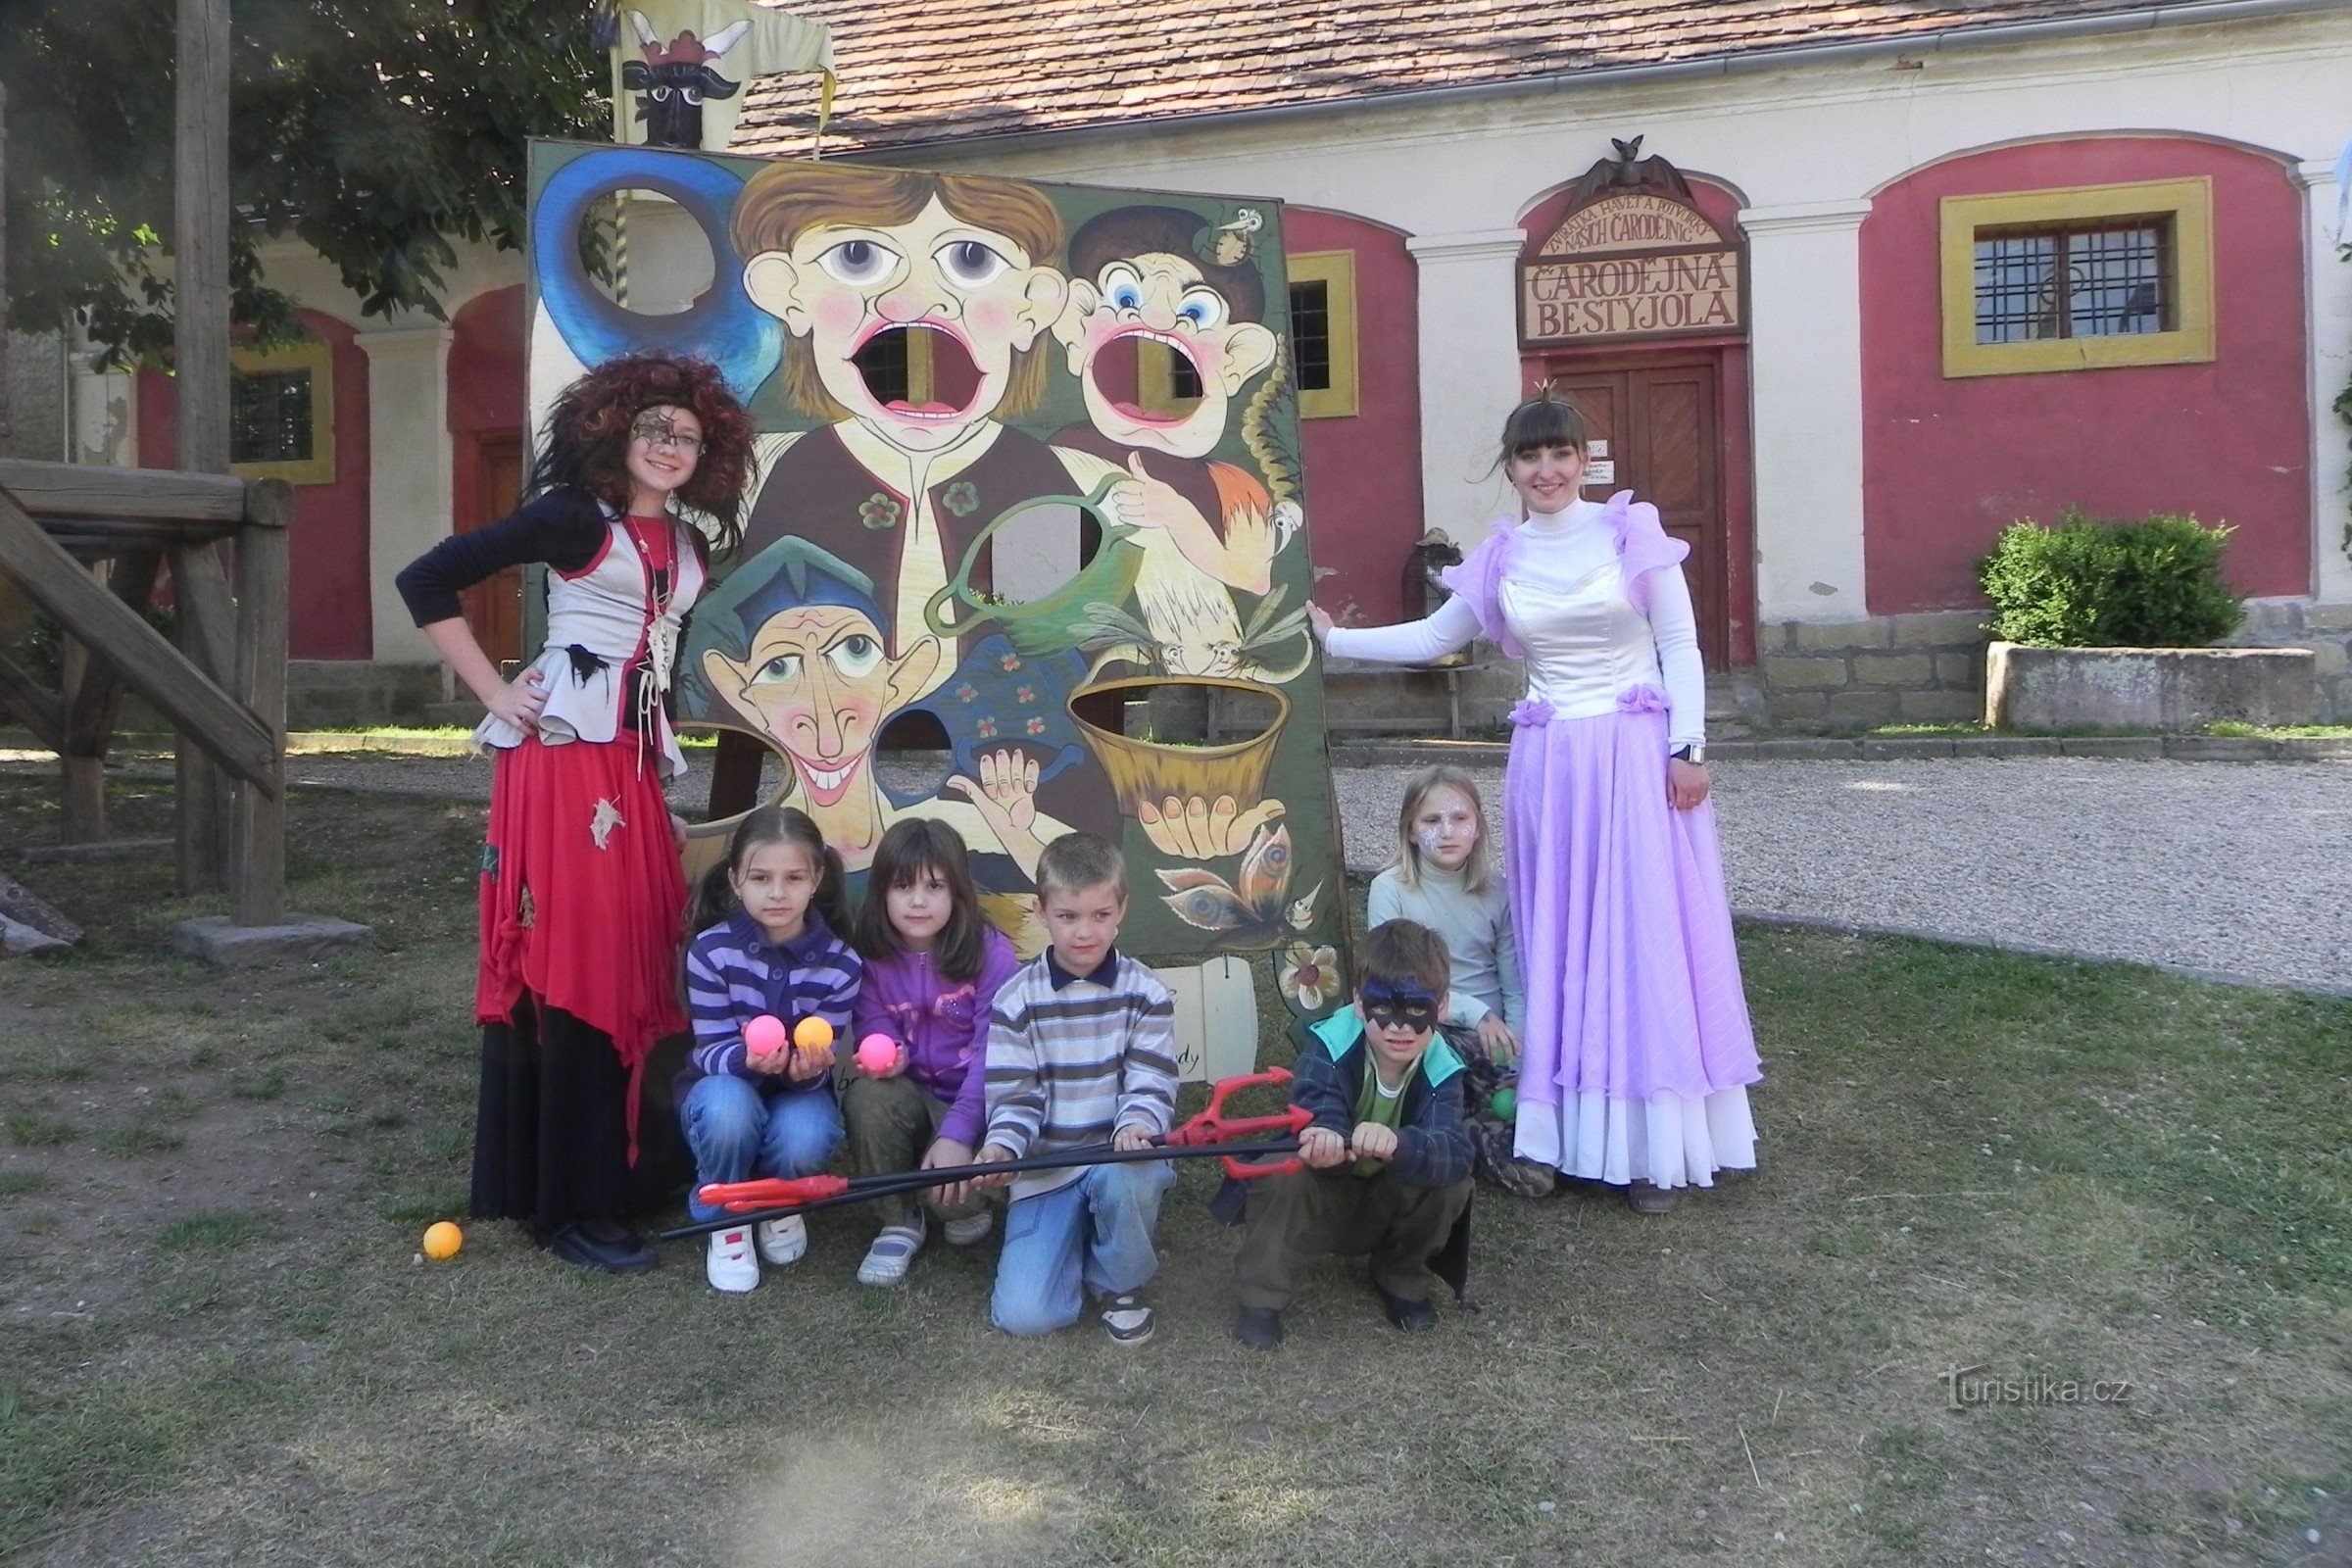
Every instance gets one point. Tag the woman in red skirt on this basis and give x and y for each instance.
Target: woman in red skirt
(582, 899)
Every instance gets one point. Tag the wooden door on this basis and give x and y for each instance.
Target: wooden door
(493, 607)
(1659, 417)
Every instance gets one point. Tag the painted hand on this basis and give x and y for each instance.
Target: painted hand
(1006, 793)
(1194, 829)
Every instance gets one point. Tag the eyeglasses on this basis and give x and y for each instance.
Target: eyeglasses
(666, 435)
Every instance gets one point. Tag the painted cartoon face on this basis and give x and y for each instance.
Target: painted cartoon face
(975, 295)
(819, 679)
(1163, 299)
(665, 443)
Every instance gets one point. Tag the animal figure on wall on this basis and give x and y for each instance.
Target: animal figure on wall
(674, 80)
(1630, 170)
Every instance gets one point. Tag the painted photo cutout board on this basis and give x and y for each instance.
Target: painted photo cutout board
(1028, 487)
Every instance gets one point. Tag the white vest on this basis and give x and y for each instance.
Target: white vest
(606, 609)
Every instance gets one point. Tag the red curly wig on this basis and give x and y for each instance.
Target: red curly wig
(586, 440)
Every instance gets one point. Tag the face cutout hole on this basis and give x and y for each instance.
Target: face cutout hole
(655, 259)
(918, 368)
(1145, 379)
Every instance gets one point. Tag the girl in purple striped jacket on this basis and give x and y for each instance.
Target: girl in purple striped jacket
(769, 915)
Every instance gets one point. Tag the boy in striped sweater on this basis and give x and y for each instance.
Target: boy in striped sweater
(1081, 1048)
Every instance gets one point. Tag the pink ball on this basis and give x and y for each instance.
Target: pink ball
(763, 1035)
(877, 1053)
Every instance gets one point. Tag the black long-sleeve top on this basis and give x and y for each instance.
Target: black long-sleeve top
(563, 527)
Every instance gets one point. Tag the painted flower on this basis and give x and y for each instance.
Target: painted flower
(988, 728)
(1036, 724)
(1531, 712)
(1026, 694)
(967, 692)
(1644, 699)
(879, 512)
(961, 497)
(1311, 974)
(1010, 660)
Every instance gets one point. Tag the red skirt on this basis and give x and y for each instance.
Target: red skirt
(583, 901)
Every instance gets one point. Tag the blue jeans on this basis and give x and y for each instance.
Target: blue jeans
(1098, 1228)
(737, 1133)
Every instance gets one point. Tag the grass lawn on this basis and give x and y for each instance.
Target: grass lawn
(217, 1345)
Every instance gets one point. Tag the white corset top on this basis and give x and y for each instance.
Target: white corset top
(1586, 643)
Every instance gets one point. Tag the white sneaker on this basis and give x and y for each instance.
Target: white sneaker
(730, 1267)
(1126, 1319)
(969, 1229)
(887, 1260)
(783, 1241)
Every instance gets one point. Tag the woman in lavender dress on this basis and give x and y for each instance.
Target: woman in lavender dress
(1637, 1050)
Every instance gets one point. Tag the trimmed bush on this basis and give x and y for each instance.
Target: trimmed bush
(2091, 583)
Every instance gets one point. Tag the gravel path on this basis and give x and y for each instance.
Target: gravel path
(2235, 869)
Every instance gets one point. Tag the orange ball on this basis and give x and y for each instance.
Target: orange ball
(813, 1035)
(442, 1241)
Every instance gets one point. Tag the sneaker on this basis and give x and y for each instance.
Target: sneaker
(1406, 1313)
(1257, 1327)
(969, 1229)
(887, 1260)
(730, 1266)
(783, 1241)
(1126, 1319)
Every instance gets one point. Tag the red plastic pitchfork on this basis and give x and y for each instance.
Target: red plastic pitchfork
(1207, 1134)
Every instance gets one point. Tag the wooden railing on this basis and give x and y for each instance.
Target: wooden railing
(223, 688)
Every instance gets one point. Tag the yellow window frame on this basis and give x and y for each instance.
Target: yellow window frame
(2187, 203)
(316, 356)
(1336, 271)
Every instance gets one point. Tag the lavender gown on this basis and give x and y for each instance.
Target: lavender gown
(1637, 1048)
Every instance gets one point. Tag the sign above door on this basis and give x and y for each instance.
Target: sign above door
(1631, 258)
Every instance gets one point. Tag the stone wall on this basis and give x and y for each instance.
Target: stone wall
(1924, 669)
(2324, 629)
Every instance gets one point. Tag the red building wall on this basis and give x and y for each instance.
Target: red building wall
(330, 611)
(486, 379)
(1363, 475)
(1947, 463)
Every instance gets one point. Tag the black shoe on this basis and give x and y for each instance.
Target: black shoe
(1257, 1327)
(614, 1249)
(1410, 1316)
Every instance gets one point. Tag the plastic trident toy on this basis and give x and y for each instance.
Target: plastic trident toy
(1207, 1134)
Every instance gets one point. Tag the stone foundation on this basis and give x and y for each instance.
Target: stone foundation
(2324, 629)
(1923, 669)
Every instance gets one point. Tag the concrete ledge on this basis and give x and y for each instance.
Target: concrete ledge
(308, 938)
(2146, 688)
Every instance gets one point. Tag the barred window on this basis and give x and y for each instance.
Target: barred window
(1310, 334)
(2110, 280)
(269, 416)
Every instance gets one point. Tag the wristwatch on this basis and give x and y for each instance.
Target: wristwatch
(1696, 756)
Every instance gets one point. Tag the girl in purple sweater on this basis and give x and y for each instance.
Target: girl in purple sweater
(933, 965)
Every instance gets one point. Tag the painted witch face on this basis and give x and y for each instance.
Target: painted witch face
(818, 678)
(976, 295)
(1163, 299)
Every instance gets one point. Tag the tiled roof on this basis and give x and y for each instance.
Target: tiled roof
(914, 71)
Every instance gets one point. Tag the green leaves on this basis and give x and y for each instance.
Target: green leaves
(2088, 583)
(381, 133)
